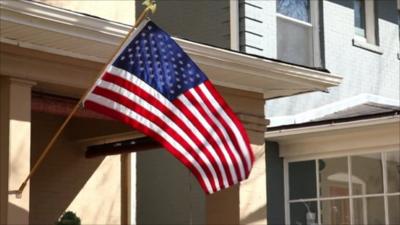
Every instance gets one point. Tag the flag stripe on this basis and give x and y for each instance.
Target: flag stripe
(200, 122)
(218, 139)
(238, 155)
(139, 104)
(218, 103)
(237, 165)
(130, 117)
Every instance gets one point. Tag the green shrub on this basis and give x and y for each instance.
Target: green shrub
(69, 218)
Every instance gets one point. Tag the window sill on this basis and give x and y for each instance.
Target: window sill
(367, 46)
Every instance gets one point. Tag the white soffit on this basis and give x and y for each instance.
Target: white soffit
(56, 31)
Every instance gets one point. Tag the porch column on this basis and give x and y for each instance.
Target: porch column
(15, 152)
(245, 203)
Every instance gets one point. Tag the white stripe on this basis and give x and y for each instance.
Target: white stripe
(209, 129)
(151, 91)
(227, 138)
(230, 123)
(140, 101)
(145, 122)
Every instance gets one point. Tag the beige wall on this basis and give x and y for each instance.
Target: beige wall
(119, 11)
(67, 180)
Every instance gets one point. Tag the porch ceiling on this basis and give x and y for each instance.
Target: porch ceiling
(33, 32)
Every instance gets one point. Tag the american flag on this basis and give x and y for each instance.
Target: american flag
(155, 87)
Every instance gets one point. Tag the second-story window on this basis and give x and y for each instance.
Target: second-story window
(298, 9)
(365, 23)
(359, 17)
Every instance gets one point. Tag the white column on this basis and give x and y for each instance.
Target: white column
(15, 144)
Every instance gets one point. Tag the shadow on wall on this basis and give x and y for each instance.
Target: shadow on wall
(258, 215)
(386, 10)
(16, 212)
(64, 171)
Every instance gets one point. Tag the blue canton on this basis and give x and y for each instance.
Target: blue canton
(154, 57)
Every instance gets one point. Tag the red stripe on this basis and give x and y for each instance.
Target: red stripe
(156, 120)
(235, 120)
(185, 110)
(156, 103)
(224, 161)
(119, 116)
(229, 130)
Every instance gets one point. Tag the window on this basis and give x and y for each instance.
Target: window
(348, 189)
(298, 9)
(365, 24)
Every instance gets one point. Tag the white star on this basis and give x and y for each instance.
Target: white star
(169, 46)
(140, 62)
(188, 65)
(178, 79)
(172, 91)
(149, 27)
(145, 41)
(122, 57)
(159, 36)
(179, 86)
(179, 55)
(173, 59)
(129, 49)
(174, 66)
(130, 55)
(137, 42)
(131, 62)
(191, 79)
(198, 75)
(143, 34)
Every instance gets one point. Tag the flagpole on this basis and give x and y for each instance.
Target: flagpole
(150, 7)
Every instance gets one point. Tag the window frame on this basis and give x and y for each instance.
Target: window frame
(314, 24)
(350, 197)
(371, 24)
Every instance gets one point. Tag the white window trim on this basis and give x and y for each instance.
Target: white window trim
(314, 25)
(351, 197)
(370, 41)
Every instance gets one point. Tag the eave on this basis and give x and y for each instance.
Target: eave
(66, 35)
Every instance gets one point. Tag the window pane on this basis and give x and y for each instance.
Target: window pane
(359, 17)
(369, 211)
(333, 177)
(393, 171)
(302, 180)
(394, 206)
(298, 9)
(303, 213)
(335, 211)
(366, 174)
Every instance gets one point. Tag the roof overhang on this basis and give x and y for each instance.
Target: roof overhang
(363, 135)
(359, 105)
(36, 33)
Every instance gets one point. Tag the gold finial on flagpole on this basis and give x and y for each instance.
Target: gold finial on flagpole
(150, 7)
